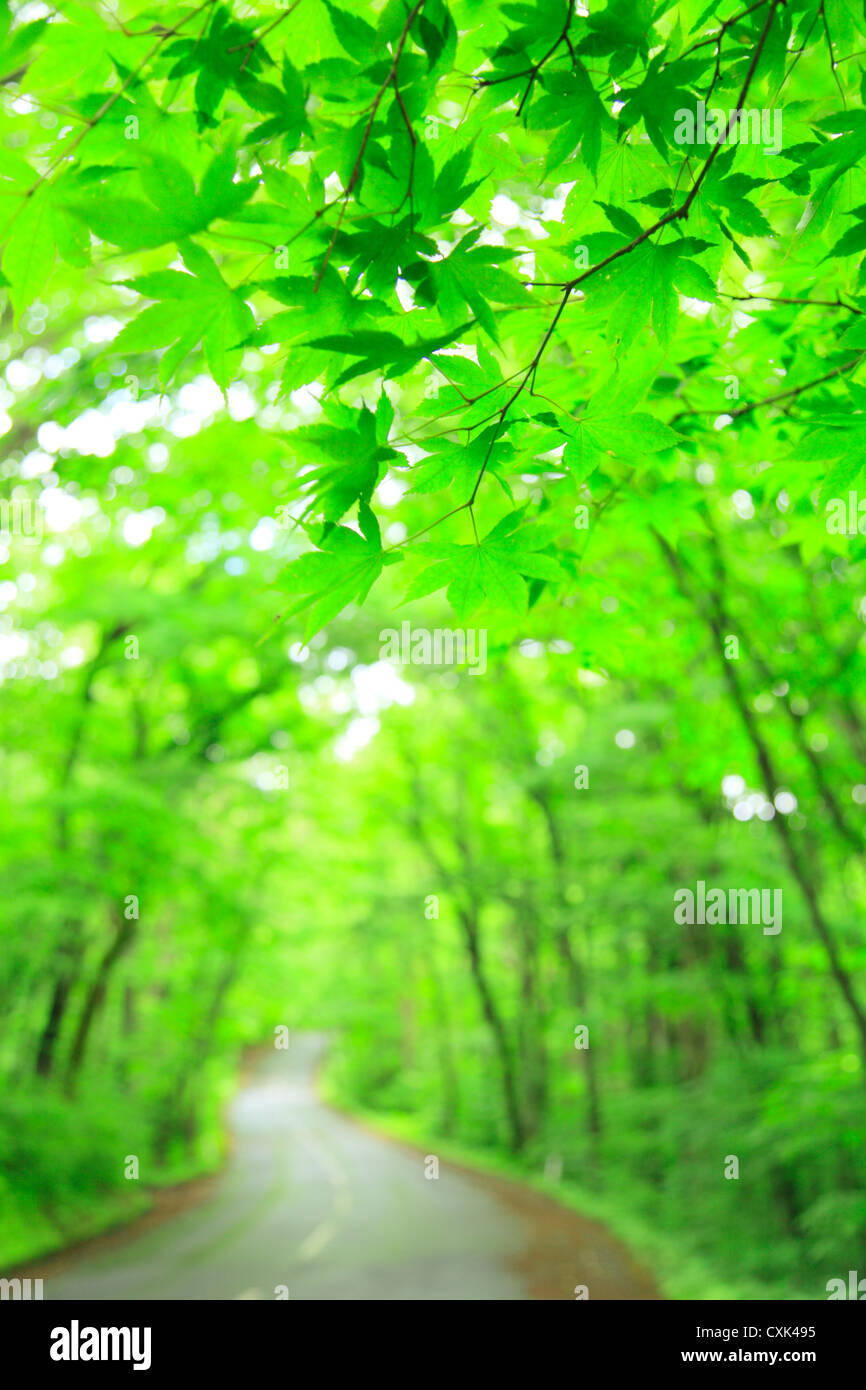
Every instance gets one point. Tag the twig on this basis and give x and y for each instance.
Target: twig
(790, 394)
(390, 80)
(106, 106)
(533, 71)
(823, 13)
(268, 29)
(836, 303)
(677, 214)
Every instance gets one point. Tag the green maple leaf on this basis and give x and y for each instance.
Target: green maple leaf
(175, 209)
(572, 107)
(355, 34)
(470, 276)
(494, 571)
(838, 440)
(730, 194)
(284, 105)
(384, 352)
(854, 239)
(28, 256)
(449, 462)
(353, 462)
(662, 92)
(645, 288)
(605, 431)
(847, 149)
(341, 571)
(192, 308)
(624, 29)
(221, 59)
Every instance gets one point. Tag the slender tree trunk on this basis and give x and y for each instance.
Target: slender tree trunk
(516, 1126)
(574, 968)
(801, 871)
(450, 1080)
(533, 1052)
(69, 953)
(123, 938)
(51, 1031)
(467, 915)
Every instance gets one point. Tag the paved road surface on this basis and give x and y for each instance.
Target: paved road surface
(314, 1202)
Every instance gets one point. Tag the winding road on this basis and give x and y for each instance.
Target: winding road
(312, 1205)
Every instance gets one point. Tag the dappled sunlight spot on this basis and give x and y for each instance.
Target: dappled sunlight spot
(733, 785)
(339, 658)
(60, 509)
(340, 701)
(50, 436)
(531, 649)
(743, 504)
(405, 295)
(263, 534)
(53, 366)
(12, 646)
(553, 209)
(90, 433)
(748, 804)
(552, 748)
(138, 527)
(505, 211)
(22, 375)
(32, 465)
(358, 734)
(305, 399)
(102, 329)
(129, 416)
(183, 424)
(241, 403)
(390, 491)
(378, 686)
(695, 308)
(71, 657)
(200, 397)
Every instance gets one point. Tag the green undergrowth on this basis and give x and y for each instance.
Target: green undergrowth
(63, 1164)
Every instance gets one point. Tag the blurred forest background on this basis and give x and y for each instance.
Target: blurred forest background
(219, 820)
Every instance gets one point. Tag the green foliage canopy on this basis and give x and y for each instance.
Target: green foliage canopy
(471, 236)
